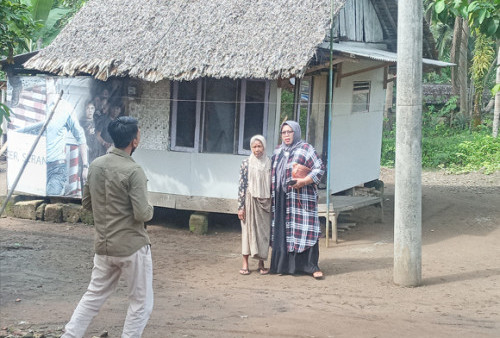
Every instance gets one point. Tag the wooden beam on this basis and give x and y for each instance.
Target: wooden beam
(326, 65)
(338, 75)
(386, 72)
(386, 77)
(386, 64)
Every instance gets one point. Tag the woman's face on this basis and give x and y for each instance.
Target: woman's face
(287, 134)
(257, 148)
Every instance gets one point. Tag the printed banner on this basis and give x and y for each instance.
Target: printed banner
(74, 137)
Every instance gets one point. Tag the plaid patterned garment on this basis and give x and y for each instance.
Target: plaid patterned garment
(302, 222)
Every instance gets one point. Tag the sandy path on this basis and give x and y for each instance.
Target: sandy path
(198, 292)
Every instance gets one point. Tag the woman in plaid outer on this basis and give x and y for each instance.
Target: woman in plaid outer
(295, 227)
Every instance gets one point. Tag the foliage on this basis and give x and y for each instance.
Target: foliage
(287, 104)
(482, 59)
(4, 114)
(481, 14)
(481, 152)
(448, 143)
(48, 14)
(441, 76)
(16, 27)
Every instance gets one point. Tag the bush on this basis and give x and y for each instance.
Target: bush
(453, 148)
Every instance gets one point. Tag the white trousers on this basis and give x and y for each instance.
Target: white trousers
(137, 270)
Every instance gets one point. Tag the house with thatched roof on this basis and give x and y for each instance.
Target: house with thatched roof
(203, 77)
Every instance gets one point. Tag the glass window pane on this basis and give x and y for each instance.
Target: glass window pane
(255, 98)
(220, 110)
(186, 115)
(361, 97)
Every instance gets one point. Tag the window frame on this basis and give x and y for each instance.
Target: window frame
(238, 149)
(354, 92)
(265, 118)
(298, 104)
(175, 101)
(204, 115)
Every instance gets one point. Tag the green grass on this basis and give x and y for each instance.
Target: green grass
(454, 149)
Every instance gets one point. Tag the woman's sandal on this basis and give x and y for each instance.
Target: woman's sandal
(318, 275)
(244, 271)
(263, 271)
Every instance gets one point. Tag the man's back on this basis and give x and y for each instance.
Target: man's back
(116, 192)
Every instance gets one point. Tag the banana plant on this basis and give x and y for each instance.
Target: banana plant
(47, 14)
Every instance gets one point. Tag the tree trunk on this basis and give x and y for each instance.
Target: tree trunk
(388, 115)
(496, 114)
(455, 54)
(463, 70)
(476, 115)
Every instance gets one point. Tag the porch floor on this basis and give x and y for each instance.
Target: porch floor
(340, 204)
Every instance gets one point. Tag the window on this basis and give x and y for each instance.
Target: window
(253, 116)
(186, 119)
(361, 97)
(303, 104)
(218, 116)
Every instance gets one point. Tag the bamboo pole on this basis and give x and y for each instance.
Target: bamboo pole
(328, 150)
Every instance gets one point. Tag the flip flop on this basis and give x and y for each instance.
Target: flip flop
(263, 271)
(244, 271)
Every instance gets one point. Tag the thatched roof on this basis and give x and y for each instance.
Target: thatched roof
(187, 39)
(434, 93)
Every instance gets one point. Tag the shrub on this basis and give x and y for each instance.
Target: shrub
(453, 148)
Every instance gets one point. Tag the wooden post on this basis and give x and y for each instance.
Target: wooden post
(408, 190)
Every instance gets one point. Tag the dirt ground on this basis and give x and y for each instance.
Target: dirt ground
(46, 267)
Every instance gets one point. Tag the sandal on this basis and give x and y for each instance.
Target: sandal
(244, 271)
(318, 274)
(263, 271)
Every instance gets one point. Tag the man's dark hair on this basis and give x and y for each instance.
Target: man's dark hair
(123, 130)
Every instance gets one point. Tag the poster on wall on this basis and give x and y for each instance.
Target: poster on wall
(74, 137)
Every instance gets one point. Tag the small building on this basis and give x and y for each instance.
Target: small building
(203, 77)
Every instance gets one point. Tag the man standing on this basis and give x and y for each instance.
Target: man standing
(63, 123)
(116, 192)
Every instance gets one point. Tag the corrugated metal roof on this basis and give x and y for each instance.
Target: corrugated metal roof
(381, 55)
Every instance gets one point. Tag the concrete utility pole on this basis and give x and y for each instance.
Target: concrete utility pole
(408, 185)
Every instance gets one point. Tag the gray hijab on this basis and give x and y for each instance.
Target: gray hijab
(286, 151)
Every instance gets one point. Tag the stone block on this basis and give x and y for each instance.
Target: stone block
(13, 200)
(40, 211)
(53, 213)
(87, 216)
(198, 223)
(71, 212)
(26, 209)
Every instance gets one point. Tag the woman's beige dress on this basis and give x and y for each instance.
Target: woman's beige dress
(256, 227)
